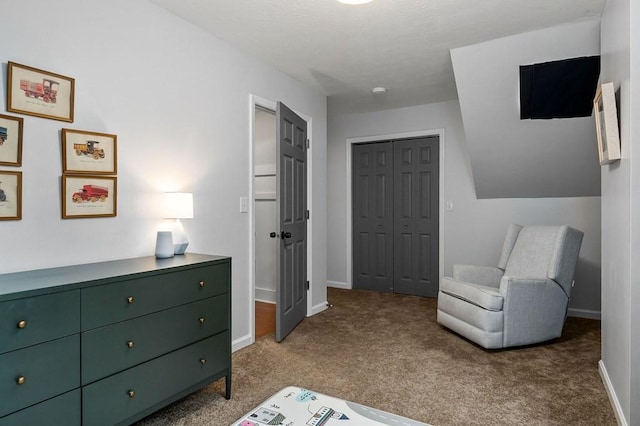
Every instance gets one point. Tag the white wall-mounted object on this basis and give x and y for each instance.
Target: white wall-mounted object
(244, 204)
(606, 115)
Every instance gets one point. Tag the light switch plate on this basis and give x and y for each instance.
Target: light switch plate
(244, 204)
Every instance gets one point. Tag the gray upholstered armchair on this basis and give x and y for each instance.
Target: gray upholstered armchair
(522, 301)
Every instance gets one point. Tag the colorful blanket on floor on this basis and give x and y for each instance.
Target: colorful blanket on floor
(293, 406)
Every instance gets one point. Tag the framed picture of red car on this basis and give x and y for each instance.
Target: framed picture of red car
(39, 93)
(89, 152)
(10, 140)
(88, 196)
(10, 195)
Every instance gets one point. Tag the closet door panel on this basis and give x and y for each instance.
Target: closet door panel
(372, 201)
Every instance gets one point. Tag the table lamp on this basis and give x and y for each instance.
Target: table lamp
(178, 205)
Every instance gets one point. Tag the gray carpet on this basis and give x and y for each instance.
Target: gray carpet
(387, 351)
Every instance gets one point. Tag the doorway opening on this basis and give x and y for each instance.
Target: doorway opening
(280, 247)
(265, 219)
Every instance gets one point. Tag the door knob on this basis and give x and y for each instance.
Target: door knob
(273, 235)
(285, 235)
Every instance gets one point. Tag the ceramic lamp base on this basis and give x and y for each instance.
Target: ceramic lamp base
(180, 248)
(180, 241)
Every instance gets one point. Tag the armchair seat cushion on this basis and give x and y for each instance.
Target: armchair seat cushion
(488, 298)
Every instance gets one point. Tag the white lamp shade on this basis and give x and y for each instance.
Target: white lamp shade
(177, 205)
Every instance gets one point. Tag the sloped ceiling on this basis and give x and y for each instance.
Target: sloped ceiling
(344, 51)
(513, 158)
(406, 46)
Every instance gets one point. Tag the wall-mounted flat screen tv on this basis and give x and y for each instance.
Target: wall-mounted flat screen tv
(559, 89)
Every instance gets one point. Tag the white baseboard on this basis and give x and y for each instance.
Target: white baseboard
(338, 284)
(585, 313)
(579, 313)
(318, 308)
(241, 342)
(613, 398)
(265, 295)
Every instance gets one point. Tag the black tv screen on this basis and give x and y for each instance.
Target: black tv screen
(559, 89)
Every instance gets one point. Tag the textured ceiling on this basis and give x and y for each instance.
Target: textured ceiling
(344, 51)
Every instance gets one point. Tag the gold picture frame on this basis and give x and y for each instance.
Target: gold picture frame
(11, 140)
(39, 93)
(10, 195)
(606, 117)
(88, 196)
(89, 152)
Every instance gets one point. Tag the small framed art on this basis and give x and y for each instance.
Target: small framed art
(89, 152)
(88, 196)
(606, 115)
(10, 195)
(39, 93)
(10, 140)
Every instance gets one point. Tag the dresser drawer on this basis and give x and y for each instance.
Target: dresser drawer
(125, 395)
(61, 410)
(33, 320)
(113, 348)
(115, 302)
(48, 369)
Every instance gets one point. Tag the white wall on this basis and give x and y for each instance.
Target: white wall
(475, 229)
(620, 218)
(179, 101)
(514, 158)
(634, 132)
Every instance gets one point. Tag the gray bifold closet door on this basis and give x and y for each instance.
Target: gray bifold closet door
(396, 216)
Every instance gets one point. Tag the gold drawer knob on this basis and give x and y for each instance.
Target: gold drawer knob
(130, 299)
(131, 393)
(22, 324)
(130, 344)
(202, 320)
(201, 283)
(203, 361)
(21, 380)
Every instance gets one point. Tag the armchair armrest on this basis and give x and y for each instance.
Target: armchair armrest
(483, 275)
(534, 310)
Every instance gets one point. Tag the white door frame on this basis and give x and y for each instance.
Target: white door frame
(382, 138)
(271, 105)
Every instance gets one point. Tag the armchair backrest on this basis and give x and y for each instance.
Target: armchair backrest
(545, 252)
(509, 241)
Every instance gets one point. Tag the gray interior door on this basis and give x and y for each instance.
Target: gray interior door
(372, 203)
(416, 186)
(291, 194)
(395, 205)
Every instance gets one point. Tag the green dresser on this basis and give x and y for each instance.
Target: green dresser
(109, 343)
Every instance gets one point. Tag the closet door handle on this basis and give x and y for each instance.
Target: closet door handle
(285, 235)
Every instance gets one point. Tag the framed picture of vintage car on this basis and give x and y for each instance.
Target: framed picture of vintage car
(10, 140)
(39, 93)
(10, 195)
(88, 196)
(89, 152)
